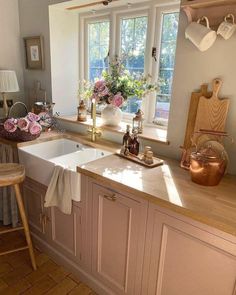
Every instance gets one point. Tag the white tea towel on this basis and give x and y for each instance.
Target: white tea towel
(63, 188)
(75, 184)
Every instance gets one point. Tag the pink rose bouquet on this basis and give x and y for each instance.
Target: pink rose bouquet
(23, 124)
(10, 125)
(117, 85)
(30, 124)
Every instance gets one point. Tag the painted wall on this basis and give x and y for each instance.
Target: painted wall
(10, 45)
(64, 59)
(192, 69)
(34, 21)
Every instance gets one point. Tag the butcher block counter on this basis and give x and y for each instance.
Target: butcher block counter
(168, 186)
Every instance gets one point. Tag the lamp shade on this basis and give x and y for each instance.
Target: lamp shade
(8, 81)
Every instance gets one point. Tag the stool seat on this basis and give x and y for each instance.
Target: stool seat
(11, 174)
(14, 174)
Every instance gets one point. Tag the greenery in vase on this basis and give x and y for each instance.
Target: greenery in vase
(116, 86)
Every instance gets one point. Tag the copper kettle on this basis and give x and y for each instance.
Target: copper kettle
(207, 166)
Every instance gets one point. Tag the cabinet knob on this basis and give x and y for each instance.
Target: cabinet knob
(110, 198)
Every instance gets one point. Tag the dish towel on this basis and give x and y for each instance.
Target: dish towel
(63, 188)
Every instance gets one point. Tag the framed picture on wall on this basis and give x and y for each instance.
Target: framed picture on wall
(34, 53)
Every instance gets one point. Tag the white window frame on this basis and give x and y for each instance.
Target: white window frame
(119, 18)
(160, 12)
(87, 22)
(154, 12)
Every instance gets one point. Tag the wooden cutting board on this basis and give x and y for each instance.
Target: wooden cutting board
(207, 112)
(193, 110)
(212, 112)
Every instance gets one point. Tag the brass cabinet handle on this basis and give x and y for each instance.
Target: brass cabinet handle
(110, 198)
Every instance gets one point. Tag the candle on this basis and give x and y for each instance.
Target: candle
(94, 110)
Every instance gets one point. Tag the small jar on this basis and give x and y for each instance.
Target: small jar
(146, 149)
(149, 158)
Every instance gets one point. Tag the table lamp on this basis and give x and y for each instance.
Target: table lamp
(8, 83)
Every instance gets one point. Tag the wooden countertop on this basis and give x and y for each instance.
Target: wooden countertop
(168, 186)
(171, 187)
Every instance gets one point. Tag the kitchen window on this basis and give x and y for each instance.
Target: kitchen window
(166, 66)
(98, 48)
(132, 51)
(132, 34)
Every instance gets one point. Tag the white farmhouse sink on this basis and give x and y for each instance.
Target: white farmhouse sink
(39, 159)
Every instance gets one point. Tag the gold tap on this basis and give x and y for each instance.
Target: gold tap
(94, 130)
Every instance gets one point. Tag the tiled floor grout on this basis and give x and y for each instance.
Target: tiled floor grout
(18, 278)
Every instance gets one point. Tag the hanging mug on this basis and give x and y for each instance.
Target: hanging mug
(203, 37)
(227, 28)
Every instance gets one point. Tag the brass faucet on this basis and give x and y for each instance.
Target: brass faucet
(94, 130)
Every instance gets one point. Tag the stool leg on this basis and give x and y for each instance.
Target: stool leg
(25, 224)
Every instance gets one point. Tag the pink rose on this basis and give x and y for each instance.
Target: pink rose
(35, 128)
(10, 125)
(23, 124)
(117, 100)
(100, 88)
(33, 117)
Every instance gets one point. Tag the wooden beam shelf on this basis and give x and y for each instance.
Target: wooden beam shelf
(206, 3)
(214, 10)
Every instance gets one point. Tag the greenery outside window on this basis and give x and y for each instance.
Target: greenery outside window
(133, 46)
(132, 34)
(98, 48)
(166, 65)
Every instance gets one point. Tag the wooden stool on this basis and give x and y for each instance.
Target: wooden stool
(14, 174)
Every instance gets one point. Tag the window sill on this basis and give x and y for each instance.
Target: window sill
(151, 133)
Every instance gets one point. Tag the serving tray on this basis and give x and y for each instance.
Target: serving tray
(137, 159)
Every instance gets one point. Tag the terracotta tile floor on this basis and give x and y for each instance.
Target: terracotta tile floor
(17, 276)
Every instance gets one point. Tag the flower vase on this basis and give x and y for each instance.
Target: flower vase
(111, 115)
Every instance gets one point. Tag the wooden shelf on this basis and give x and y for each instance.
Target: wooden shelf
(215, 10)
(206, 3)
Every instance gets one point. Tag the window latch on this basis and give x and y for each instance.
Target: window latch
(107, 57)
(154, 53)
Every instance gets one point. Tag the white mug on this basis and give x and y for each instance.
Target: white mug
(226, 28)
(203, 37)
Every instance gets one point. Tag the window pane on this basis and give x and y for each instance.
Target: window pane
(98, 48)
(167, 63)
(133, 45)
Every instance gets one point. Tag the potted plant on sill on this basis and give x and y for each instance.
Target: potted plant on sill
(114, 88)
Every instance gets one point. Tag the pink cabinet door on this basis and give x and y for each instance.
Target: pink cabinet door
(182, 259)
(118, 230)
(66, 231)
(38, 216)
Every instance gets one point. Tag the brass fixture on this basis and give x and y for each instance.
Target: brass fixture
(94, 130)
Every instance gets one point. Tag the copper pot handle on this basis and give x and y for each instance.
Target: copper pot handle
(211, 132)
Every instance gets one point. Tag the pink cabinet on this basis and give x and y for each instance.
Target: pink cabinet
(60, 231)
(39, 218)
(118, 234)
(182, 258)
(123, 245)
(67, 233)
